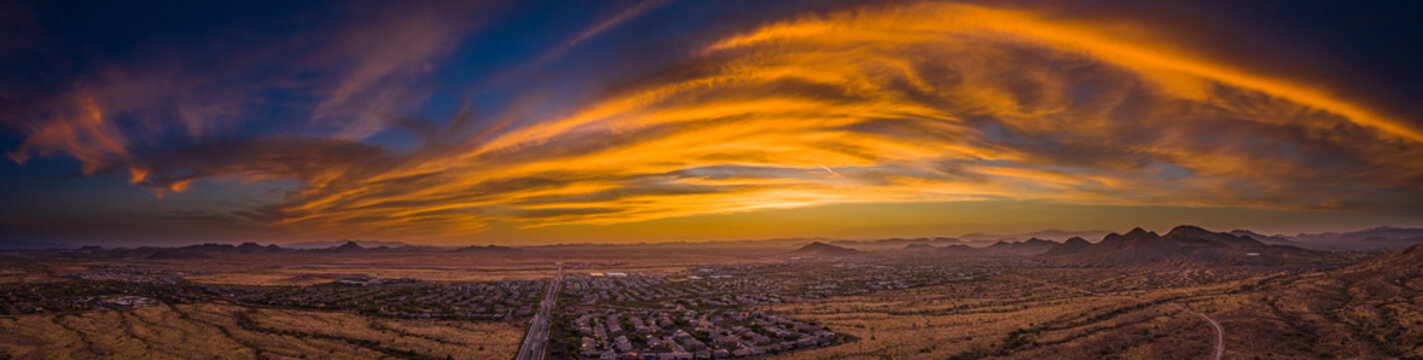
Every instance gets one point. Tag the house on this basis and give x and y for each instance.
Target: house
(622, 344)
(127, 301)
(358, 281)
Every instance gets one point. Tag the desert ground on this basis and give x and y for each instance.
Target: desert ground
(792, 300)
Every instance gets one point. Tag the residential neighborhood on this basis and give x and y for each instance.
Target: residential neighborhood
(680, 333)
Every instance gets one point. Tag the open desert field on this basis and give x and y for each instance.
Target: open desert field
(1067, 314)
(224, 331)
(773, 299)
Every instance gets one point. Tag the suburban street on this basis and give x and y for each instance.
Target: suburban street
(535, 342)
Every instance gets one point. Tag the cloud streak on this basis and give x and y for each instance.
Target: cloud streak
(353, 73)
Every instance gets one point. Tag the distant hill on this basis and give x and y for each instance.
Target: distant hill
(919, 247)
(925, 241)
(1071, 246)
(251, 247)
(486, 249)
(329, 244)
(1406, 264)
(1375, 242)
(348, 246)
(1182, 244)
(1052, 234)
(176, 254)
(822, 249)
(209, 248)
(1031, 246)
(1383, 237)
(959, 250)
(893, 243)
(1268, 239)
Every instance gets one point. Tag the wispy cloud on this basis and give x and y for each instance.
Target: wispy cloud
(387, 50)
(558, 50)
(358, 70)
(922, 103)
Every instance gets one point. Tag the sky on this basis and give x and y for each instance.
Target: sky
(535, 122)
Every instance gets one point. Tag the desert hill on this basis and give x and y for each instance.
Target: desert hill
(919, 247)
(822, 249)
(1182, 244)
(1071, 246)
(1378, 238)
(893, 243)
(320, 245)
(1405, 265)
(1375, 302)
(251, 247)
(959, 250)
(485, 249)
(348, 246)
(1051, 235)
(1268, 239)
(1031, 246)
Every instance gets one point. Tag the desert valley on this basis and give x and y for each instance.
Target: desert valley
(1186, 293)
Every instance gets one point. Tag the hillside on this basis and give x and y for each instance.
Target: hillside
(959, 250)
(349, 246)
(1401, 266)
(486, 249)
(1374, 305)
(318, 245)
(1031, 246)
(1182, 244)
(919, 247)
(1051, 235)
(1378, 238)
(1268, 239)
(823, 249)
(1071, 246)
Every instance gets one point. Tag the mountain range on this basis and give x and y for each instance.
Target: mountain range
(1032, 246)
(1383, 237)
(1183, 244)
(1050, 234)
(335, 243)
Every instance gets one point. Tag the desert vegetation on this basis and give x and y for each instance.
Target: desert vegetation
(224, 331)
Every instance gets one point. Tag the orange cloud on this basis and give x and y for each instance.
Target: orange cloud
(83, 133)
(931, 102)
(1175, 70)
(915, 103)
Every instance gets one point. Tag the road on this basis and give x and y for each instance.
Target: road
(1219, 331)
(536, 341)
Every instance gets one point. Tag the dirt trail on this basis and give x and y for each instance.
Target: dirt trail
(1219, 331)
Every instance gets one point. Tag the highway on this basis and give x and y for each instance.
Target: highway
(536, 341)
